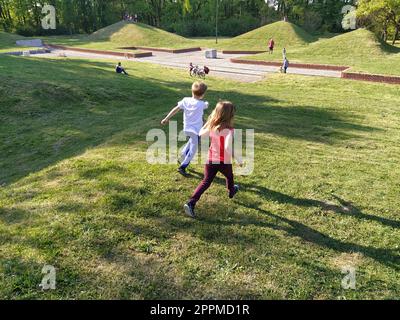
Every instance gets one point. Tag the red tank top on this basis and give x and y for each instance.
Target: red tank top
(217, 152)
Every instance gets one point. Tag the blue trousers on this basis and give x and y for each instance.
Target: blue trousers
(190, 149)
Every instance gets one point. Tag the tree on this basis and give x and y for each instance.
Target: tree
(382, 14)
(192, 17)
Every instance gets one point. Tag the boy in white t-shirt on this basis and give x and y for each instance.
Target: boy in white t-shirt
(193, 111)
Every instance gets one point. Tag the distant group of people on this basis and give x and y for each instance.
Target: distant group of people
(271, 47)
(131, 18)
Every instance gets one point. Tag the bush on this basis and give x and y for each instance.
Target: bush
(312, 21)
(235, 26)
(201, 28)
(192, 28)
(30, 31)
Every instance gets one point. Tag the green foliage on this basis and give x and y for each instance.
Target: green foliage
(186, 17)
(383, 16)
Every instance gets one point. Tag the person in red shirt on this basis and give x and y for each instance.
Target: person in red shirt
(271, 46)
(219, 128)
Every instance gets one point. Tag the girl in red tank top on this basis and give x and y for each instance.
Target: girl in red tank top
(219, 128)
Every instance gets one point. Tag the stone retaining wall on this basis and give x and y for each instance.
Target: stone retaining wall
(20, 53)
(344, 75)
(371, 77)
(104, 52)
(241, 52)
(293, 65)
(163, 49)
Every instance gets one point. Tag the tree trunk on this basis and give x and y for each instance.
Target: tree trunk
(396, 34)
(384, 36)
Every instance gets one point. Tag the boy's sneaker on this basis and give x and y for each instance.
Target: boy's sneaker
(189, 210)
(236, 189)
(183, 172)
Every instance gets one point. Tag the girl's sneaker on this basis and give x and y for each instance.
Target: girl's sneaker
(236, 189)
(189, 210)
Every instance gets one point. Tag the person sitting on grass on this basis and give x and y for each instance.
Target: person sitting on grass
(219, 128)
(193, 111)
(120, 69)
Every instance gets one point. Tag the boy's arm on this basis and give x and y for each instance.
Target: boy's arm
(173, 112)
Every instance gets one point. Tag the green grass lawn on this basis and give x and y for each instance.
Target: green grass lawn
(8, 42)
(77, 193)
(359, 50)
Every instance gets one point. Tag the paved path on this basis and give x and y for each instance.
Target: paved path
(225, 68)
(221, 67)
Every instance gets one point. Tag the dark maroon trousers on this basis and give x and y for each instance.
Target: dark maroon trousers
(210, 171)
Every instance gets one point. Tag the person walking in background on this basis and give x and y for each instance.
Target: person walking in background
(284, 53)
(271, 46)
(285, 65)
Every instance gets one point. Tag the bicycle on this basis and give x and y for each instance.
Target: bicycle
(196, 71)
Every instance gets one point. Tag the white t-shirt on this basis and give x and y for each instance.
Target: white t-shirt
(193, 111)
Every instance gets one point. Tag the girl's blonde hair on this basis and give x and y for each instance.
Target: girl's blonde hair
(222, 116)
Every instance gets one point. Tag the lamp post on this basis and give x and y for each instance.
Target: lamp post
(216, 20)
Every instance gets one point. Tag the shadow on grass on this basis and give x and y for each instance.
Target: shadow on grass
(123, 237)
(211, 228)
(388, 257)
(13, 216)
(99, 264)
(345, 208)
(304, 35)
(388, 48)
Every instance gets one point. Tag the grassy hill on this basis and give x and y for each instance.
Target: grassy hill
(126, 34)
(351, 46)
(7, 41)
(129, 34)
(285, 34)
(359, 49)
(76, 191)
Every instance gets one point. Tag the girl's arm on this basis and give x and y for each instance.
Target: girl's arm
(173, 112)
(204, 132)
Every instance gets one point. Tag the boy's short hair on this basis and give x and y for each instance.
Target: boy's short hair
(199, 89)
